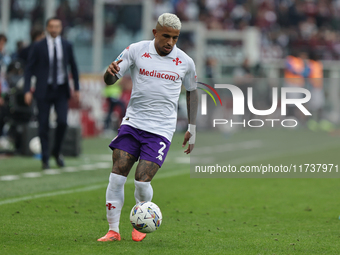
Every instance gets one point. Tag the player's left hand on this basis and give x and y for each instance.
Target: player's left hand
(186, 139)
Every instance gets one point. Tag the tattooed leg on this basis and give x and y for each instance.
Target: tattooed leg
(122, 162)
(146, 170)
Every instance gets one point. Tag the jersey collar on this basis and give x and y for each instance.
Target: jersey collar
(152, 50)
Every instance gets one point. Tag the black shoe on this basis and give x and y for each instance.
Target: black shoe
(45, 166)
(59, 160)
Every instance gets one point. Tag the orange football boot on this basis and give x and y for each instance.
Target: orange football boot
(110, 236)
(137, 236)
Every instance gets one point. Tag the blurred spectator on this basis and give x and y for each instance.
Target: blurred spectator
(4, 58)
(3, 85)
(131, 17)
(308, 28)
(20, 46)
(65, 14)
(162, 6)
(317, 102)
(126, 84)
(85, 11)
(37, 14)
(16, 113)
(243, 78)
(210, 65)
(112, 94)
(117, 95)
(16, 11)
(4, 110)
(36, 35)
(297, 71)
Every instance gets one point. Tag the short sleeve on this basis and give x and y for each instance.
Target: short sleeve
(128, 61)
(190, 78)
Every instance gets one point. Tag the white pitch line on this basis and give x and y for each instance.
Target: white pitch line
(88, 167)
(50, 194)
(105, 157)
(9, 177)
(70, 169)
(103, 165)
(162, 175)
(32, 175)
(52, 171)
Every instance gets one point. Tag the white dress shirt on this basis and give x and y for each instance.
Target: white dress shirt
(60, 69)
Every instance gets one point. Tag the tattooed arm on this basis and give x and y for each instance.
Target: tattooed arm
(192, 105)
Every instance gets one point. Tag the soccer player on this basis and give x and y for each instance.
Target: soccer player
(158, 69)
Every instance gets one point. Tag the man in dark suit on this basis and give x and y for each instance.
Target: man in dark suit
(48, 61)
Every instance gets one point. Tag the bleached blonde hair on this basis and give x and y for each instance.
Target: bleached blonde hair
(169, 20)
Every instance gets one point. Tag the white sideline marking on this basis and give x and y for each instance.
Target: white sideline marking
(50, 194)
(52, 171)
(88, 167)
(166, 174)
(32, 175)
(70, 169)
(103, 157)
(182, 160)
(9, 177)
(103, 165)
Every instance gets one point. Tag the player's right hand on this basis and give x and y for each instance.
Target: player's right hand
(113, 68)
(28, 98)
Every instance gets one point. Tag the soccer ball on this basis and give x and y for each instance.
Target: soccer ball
(146, 217)
(35, 145)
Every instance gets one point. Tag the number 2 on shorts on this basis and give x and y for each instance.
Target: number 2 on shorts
(160, 151)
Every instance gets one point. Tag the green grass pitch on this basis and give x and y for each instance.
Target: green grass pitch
(63, 212)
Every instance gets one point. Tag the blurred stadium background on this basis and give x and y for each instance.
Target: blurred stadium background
(228, 40)
(224, 37)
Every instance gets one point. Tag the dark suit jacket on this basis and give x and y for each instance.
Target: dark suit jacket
(38, 64)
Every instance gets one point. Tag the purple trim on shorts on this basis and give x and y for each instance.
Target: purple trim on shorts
(141, 144)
